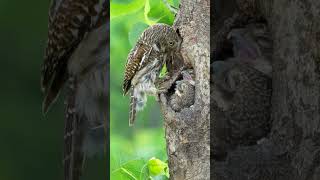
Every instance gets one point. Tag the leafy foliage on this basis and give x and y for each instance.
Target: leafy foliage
(158, 168)
(138, 162)
(140, 169)
(133, 150)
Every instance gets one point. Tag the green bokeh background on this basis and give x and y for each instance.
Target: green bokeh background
(132, 147)
(31, 144)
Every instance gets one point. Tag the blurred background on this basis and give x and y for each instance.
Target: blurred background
(31, 144)
(133, 148)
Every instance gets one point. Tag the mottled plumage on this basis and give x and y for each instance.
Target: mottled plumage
(69, 21)
(241, 91)
(77, 57)
(157, 45)
(243, 97)
(88, 106)
(184, 94)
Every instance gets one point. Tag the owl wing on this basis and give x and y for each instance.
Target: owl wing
(69, 20)
(135, 62)
(104, 14)
(87, 101)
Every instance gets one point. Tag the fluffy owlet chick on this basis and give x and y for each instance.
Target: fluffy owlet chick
(243, 97)
(77, 58)
(183, 96)
(253, 46)
(157, 45)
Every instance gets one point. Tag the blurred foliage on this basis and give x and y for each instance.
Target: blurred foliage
(133, 148)
(31, 143)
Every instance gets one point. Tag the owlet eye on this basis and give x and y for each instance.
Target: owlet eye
(171, 43)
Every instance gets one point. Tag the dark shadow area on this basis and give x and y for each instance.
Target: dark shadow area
(32, 144)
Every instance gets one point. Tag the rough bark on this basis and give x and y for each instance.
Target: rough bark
(292, 149)
(187, 131)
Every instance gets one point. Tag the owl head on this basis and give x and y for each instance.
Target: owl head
(162, 37)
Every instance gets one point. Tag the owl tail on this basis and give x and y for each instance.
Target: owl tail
(133, 105)
(73, 138)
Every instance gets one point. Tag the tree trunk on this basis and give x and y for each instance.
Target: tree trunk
(187, 131)
(292, 149)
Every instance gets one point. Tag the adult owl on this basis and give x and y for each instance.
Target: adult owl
(76, 58)
(157, 45)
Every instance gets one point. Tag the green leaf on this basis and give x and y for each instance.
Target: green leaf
(160, 13)
(148, 20)
(132, 170)
(157, 167)
(136, 31)
(129, 173)
(163, 71)
(119, 9)
(176, 3)
(161, 177)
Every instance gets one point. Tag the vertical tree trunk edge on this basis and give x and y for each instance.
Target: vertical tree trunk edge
(188, 131)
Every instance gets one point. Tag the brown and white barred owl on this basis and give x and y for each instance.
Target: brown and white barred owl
(157, 45)
(76, 58)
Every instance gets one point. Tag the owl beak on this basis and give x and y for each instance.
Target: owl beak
(178, 93)
(156, 47)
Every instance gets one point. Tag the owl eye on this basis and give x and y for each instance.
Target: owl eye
(171, 43)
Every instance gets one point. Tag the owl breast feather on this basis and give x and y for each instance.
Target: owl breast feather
(145, 84)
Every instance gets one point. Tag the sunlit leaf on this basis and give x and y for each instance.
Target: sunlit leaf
(159, 12)
(163, 71)
(117, 9)
(157, 167)
(161, 177)
(148, 20)
(131, 170)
